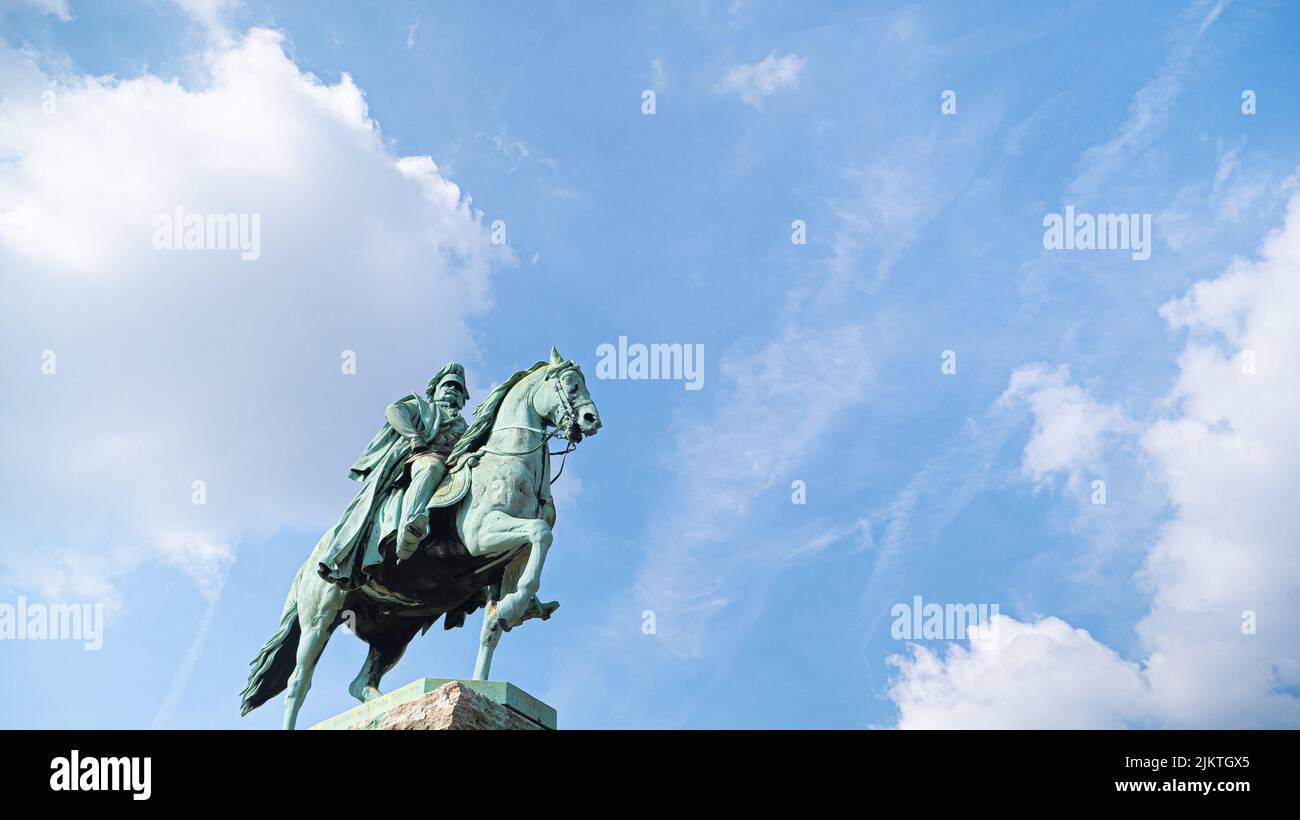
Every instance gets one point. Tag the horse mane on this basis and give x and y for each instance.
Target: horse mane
(485, 415)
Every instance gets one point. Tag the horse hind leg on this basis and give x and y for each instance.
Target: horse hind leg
(317, 613)
(379, 662)
(310, 646)
(385, 652)
(362, 688)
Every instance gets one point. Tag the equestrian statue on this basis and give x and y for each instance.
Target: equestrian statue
(450, 518)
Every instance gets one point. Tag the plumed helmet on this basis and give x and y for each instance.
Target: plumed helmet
(452, 372)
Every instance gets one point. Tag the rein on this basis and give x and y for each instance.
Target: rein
(545, 438)
(570, 416)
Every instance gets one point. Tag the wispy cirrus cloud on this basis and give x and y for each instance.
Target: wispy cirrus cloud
(1149, 110)
(56, 8)
(658, 75)
(213, 16)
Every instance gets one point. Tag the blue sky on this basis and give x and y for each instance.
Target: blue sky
(822, 360)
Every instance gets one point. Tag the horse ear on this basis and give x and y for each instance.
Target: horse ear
(556, 358)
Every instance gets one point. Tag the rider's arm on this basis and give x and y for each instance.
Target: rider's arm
(405, 420)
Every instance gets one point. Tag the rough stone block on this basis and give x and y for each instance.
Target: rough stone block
(439, 703)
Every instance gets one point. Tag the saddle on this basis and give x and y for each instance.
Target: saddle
(452, 489)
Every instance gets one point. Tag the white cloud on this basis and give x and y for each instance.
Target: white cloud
(1227, 450)
(1230, 458)
(176, 366)
(753, 82)
(1070, 427)
(1018, 676)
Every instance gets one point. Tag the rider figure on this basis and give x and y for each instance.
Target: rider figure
(406, 457)
(432, 435)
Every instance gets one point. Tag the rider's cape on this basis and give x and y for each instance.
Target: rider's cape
(355, 539)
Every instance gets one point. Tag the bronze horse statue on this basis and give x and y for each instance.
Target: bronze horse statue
(489, 531)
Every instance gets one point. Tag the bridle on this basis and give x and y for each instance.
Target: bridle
(569, 411)
(566, 425)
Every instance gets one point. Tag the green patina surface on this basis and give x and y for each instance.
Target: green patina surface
(507, 694)
(486, 553)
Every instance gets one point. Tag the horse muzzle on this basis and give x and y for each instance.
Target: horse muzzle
(588, 422)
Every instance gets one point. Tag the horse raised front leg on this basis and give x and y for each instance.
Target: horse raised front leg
(490, 635)
(497, 533)
(514, 604)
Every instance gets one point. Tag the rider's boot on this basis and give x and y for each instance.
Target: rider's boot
(412, 534)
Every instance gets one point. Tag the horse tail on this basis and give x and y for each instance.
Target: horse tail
(270, 670)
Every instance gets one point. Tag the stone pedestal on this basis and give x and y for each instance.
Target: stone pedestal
(444, 703)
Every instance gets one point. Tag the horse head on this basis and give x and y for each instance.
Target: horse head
(561, 398)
